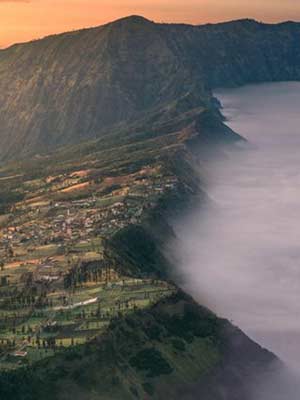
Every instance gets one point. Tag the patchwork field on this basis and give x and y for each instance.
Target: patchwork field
(61, 283)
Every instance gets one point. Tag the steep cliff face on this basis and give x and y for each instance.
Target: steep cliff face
(81, 85)
(76, 86)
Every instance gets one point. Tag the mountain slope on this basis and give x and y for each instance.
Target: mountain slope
(71, 87)
(156, 355)
(71, 216)
(81, 85)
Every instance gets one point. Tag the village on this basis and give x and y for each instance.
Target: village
(58, 286)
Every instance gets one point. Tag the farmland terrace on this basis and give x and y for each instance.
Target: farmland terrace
(60, 284)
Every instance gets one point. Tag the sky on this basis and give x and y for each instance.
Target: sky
(23, 20)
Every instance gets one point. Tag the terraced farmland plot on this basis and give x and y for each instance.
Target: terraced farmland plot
(30, 333)
(62, 281)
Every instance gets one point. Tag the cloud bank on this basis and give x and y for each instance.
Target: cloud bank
(241, 256)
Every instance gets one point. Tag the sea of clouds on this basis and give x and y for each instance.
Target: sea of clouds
(240, 255)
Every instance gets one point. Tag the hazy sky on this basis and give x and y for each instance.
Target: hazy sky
(22, 20)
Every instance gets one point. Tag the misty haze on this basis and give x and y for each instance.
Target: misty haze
(241, 255)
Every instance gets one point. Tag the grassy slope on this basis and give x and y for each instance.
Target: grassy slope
(150, 352)
(157, 354)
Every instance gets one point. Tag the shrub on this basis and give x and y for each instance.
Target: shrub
(178, 344)
(152, 362)
(149, 388)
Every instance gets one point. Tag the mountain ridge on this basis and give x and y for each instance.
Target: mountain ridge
(72, 87)
(141, 18)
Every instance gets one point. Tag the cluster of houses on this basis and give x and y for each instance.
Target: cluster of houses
(66, 222)
(44, 240)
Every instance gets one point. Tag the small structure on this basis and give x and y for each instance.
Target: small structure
(20, 354)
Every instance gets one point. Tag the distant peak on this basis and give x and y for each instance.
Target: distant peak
(248, 21)
(133, 19)
(243, 21)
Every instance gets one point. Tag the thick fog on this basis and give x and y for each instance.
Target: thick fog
(241, 255)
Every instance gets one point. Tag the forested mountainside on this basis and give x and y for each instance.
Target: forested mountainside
(82, 85)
